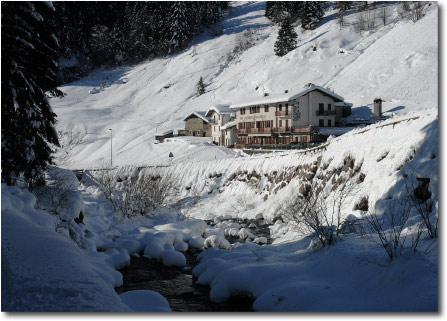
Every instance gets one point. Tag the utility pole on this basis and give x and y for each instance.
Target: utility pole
(111, 163)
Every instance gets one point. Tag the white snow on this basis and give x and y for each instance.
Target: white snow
(286, 97)
(173, 258)
(145, 301)
(217, 241)
(397, 62)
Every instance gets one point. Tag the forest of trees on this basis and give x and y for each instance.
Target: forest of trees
(45, 44)
(97, 33)
(309, 12)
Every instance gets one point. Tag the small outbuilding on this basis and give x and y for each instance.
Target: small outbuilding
(166, 134)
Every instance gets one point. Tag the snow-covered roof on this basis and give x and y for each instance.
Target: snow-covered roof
(200, 114)
(342, 104)
(166, 132)
(286, 97)
(229, 125)
(219, 109)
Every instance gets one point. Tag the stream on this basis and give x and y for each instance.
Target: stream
(178, 286)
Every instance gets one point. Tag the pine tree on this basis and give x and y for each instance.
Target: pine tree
(312, 13)
(342, 7)
(286, 39)
(179, 27)
(200, 87)
(29, 74)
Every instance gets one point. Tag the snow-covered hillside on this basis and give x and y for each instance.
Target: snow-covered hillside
(397, 62)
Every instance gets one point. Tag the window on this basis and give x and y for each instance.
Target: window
(329, 122)
(280, 123)
(266, 108)
(242, 111)
(321, 107)
(321, 123)
(329, 106)
(198, 133)
(287, 109)
(280, 107)
(287, 123)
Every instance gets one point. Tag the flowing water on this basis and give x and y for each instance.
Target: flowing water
(178, 286)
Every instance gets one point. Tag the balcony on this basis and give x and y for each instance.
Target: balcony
(282, 130)
(304, 129)
(254, 131)
(326, 112)
(282, 113)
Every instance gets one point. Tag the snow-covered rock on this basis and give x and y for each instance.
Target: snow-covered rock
(173, 258)
(217, 241)
(145, 301)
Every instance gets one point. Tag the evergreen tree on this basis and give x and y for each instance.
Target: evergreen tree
(277, 11)
(286, 39)
(29, 74)
(200, 87)
(179, 25)
(312, 13)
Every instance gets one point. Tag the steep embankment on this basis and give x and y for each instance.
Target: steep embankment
(397, 62)
(382, 160)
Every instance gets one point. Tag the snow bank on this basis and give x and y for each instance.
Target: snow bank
(145, 301)
(35, 259)
(287, 278)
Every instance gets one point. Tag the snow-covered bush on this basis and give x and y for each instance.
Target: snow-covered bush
(385, 227)
(137, 194)
(244, 41)
(61, 198)
(321, 214)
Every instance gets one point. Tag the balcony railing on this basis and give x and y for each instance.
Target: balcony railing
(282, 130)
(254, 130)
(282, 113)
(326, 112)
(304, 129)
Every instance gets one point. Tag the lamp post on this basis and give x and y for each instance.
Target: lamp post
(111, 163)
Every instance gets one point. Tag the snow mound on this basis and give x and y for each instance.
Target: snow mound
(173, 258)
(217, 241)
(145, 301)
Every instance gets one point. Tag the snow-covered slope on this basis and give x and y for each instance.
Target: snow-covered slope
(397, 62)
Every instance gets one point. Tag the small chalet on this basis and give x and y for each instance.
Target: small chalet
(221, 116)
(296, 117)
(197, 124)
(166, 134)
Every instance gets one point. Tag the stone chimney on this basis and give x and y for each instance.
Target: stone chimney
(378, 106)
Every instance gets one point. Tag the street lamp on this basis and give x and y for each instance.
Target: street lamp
(111, 148)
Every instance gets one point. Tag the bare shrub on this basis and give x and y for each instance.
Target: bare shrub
(244, 41)
(316, 213)
(383, 15)
(360, 24)
(138, 195)
(417, 10)
(107, 179)
(403, 9)
(385, 229)
(242, 204)
(421, 200)
(56, 193)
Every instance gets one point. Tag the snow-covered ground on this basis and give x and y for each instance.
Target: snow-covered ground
(397, 62)
(44, 270)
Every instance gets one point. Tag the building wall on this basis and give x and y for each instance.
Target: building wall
(196, 126)
(219, 120)
(230, 137)
(306, 106)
